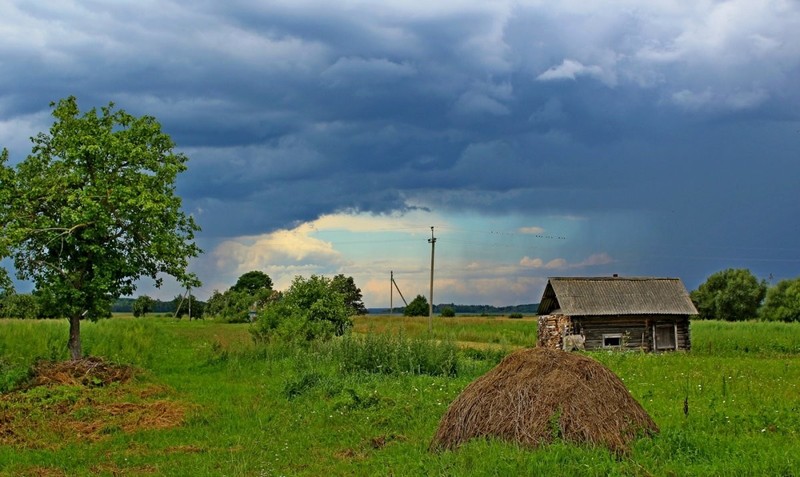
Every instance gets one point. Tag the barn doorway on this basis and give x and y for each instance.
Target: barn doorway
(666, 337)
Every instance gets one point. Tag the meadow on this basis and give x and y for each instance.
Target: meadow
(211, 402)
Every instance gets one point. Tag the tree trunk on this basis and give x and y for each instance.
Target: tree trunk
(74, 343)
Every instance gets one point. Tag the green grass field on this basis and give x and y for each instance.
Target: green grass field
(207, 401)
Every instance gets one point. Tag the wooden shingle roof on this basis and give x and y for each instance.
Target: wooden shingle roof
(584, 296)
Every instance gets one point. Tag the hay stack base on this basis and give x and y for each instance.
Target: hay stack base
(535, 396)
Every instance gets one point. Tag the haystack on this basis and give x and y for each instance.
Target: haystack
(537, 395)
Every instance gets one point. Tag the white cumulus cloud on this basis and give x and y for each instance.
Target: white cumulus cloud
(561, 263)
(571, 70)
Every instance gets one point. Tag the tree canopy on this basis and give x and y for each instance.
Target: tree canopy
(6, 180)
(252, 282)
(417, 307)
(731, 295)
(351, 293)
(93, 208)
(142, 306)
(310, 309)
(252, 292)
(188, 305)
(782, 302)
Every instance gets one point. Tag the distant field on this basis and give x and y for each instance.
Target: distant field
(229, 407)
(480, 331)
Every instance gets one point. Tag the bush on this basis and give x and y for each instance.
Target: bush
(448, 312)
(515, 315)
(23, 306)
(311, 309)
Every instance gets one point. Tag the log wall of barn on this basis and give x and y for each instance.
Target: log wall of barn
(636, 331)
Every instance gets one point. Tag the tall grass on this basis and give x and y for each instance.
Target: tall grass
(389, 353)
(24, 342)
(496, 330)
(714, 338)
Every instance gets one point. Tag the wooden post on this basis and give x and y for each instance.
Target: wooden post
(431, 241)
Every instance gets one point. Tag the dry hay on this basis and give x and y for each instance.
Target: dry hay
(537, 395)
(72, 402)
(90, 371)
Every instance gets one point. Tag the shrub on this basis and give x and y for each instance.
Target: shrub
(311, 309)
(515, 315)
(448, 312)
(24, 306)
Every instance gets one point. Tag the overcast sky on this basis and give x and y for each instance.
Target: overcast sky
(539, 138)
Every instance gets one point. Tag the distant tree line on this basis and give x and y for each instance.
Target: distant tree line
(247, 299)
(730, 295)
(36, 305)
(419, 307)
(150, 305)
(737, 295)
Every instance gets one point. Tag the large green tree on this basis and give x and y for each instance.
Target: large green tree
(93, 208)
(252, 282)
(6, 194)
(731, 295)
(142, 306)
(351, 293)
(252, 292)
(188, 305)
(782, 302)
(417, 307)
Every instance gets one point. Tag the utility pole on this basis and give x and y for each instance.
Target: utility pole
(431, 241)
(391, 291)
(391, 274)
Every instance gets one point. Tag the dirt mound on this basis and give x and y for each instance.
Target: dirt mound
(537, 395)
(90, 371)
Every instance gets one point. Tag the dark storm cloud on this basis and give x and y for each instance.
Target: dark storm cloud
(688, 115)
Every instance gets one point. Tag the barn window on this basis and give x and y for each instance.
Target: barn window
(612, 340)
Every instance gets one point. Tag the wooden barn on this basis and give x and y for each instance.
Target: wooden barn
(649, 314)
